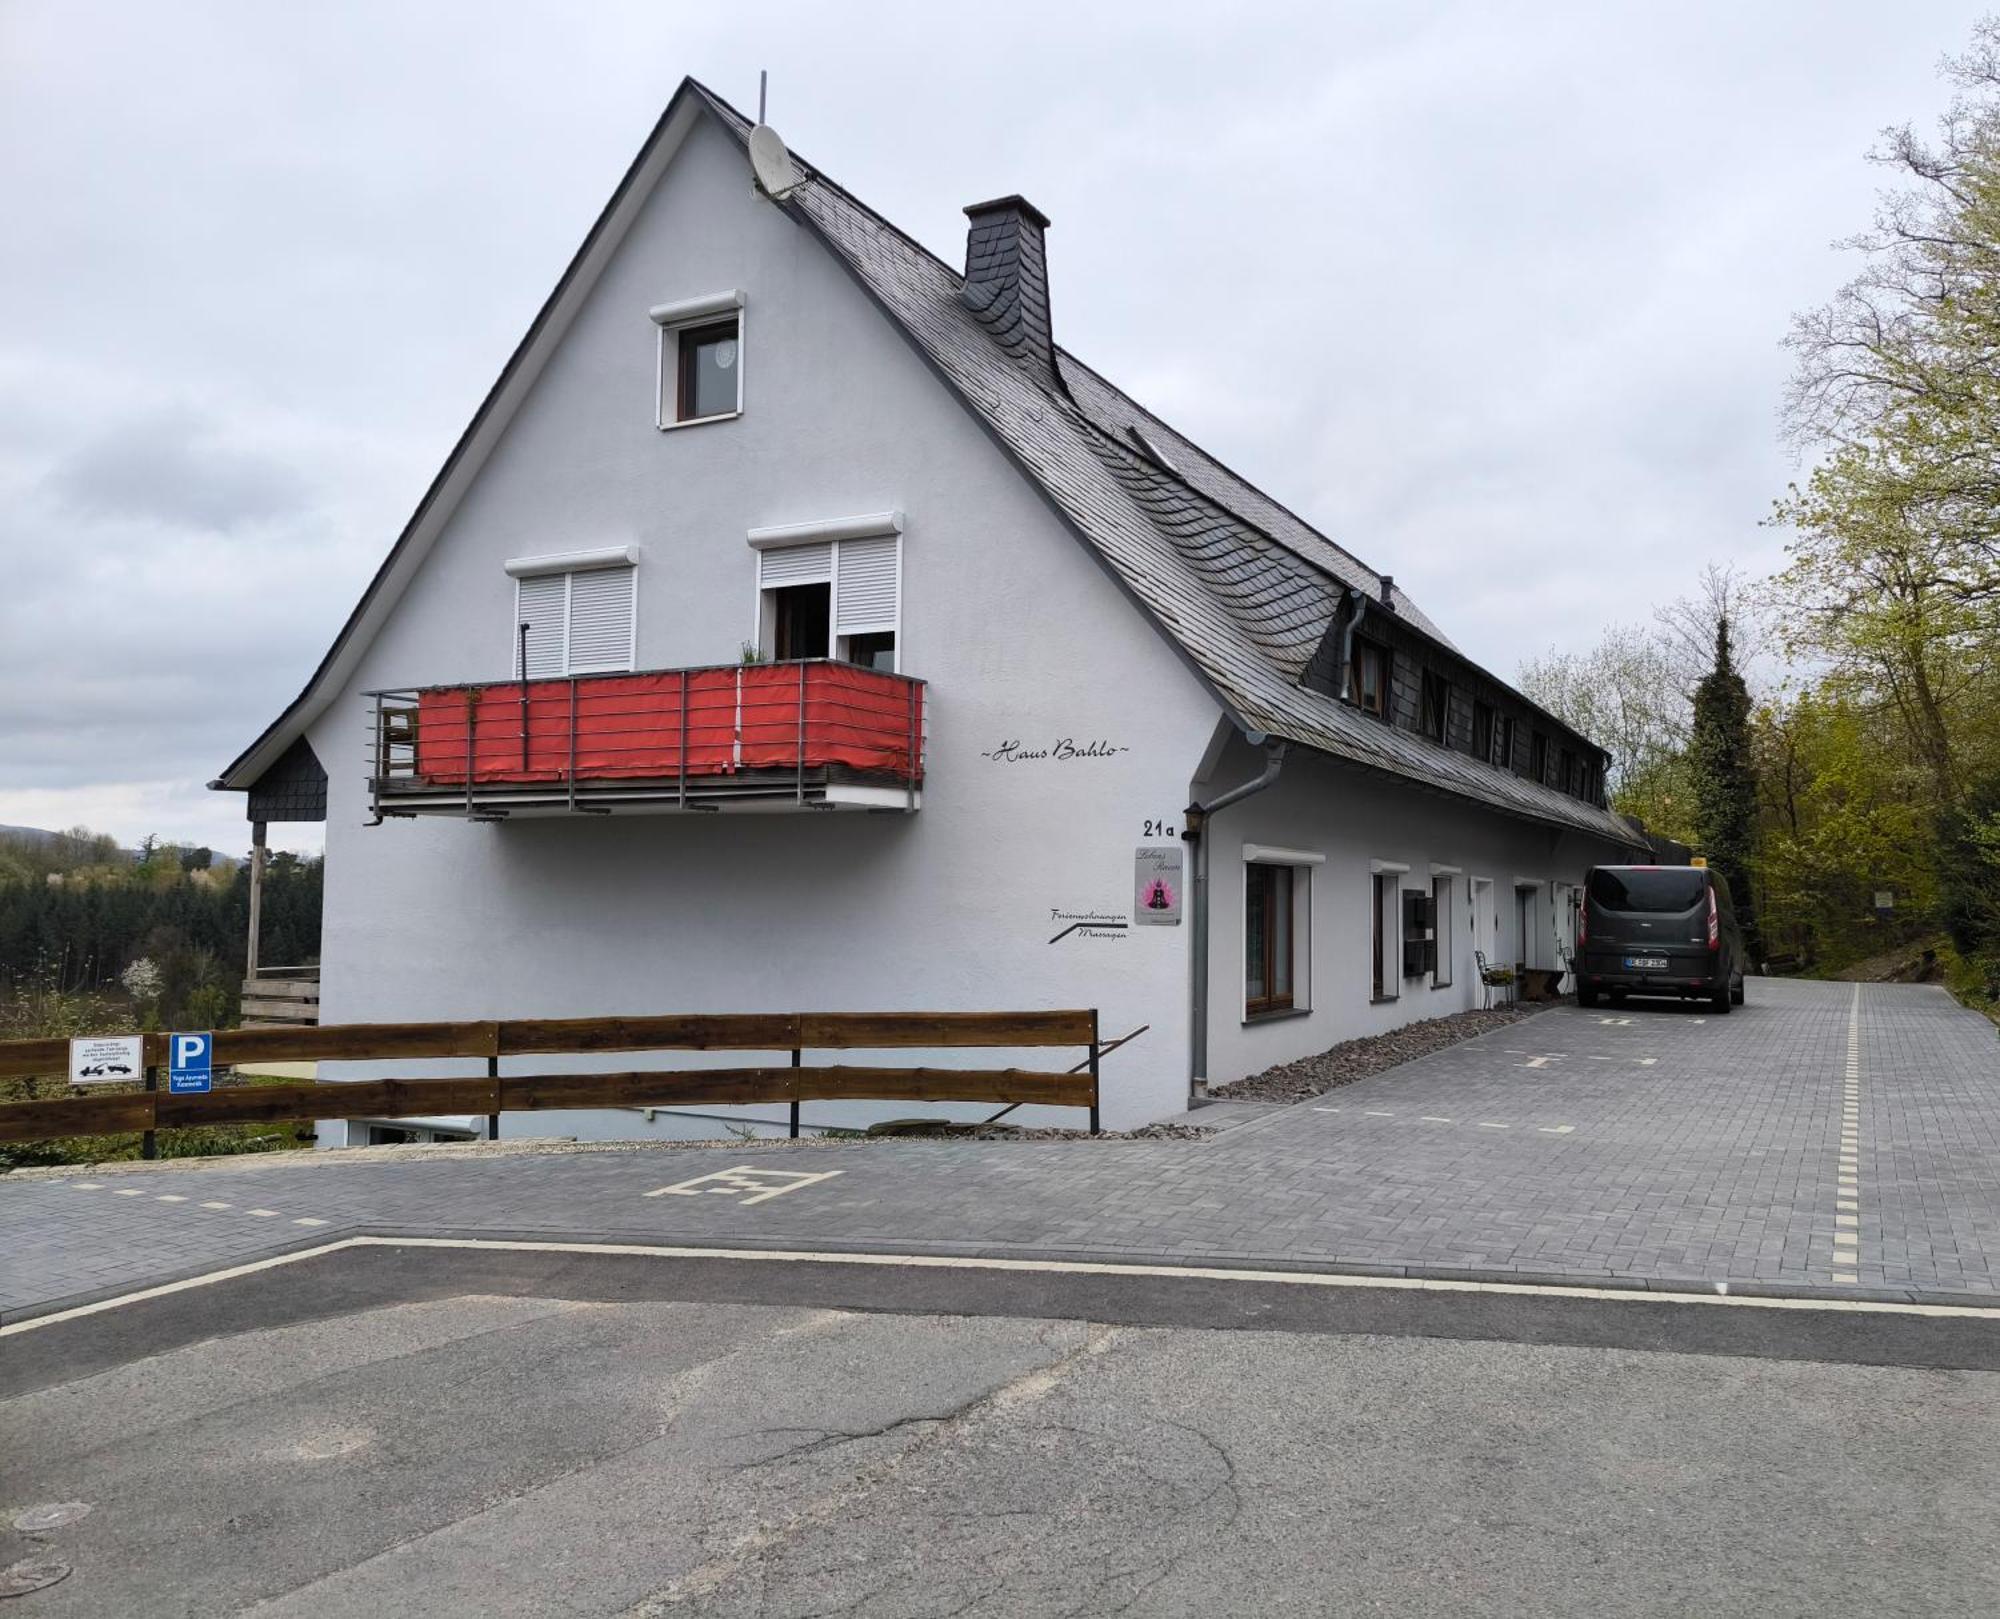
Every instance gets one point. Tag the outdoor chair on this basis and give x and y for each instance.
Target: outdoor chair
(1491, 978)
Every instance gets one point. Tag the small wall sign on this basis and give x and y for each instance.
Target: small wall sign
(1156, 885)
(107, 1059)
(1062, 750)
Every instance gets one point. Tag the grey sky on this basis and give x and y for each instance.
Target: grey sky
(1492, 294)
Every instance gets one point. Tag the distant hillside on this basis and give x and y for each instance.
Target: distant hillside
(43, 834)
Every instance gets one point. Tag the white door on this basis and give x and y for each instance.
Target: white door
(1485, 922)
(1565, 919)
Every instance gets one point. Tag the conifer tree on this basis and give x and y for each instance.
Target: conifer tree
(1725, 786)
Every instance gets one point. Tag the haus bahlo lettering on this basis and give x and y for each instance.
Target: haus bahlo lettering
(1065, 749)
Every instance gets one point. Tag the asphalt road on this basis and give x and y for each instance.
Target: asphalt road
(388, 1431)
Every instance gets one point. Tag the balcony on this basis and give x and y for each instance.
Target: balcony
(814, 734)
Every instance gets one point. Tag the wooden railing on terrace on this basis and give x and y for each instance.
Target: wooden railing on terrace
(494, 1093)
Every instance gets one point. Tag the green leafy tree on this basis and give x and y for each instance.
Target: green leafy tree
(1725, 786)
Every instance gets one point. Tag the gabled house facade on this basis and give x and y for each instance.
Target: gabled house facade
(798, 626)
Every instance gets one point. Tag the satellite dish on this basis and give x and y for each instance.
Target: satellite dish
(776, 173)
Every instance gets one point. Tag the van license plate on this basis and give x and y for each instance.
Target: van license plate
(1646, 964)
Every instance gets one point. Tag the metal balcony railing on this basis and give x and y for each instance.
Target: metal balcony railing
(814, 732)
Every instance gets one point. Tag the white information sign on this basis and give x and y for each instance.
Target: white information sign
(104, 1059)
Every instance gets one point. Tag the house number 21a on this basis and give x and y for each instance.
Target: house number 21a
(1159, 829)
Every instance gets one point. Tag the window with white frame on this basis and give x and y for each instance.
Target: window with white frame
(575, 614)
(1444, 942)
(701, 359)
(831, 590)
(1387, 932)
(1277, 931)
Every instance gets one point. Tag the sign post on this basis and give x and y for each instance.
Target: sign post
(190, 1064)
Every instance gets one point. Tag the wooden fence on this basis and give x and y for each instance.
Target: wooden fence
(494, 1093)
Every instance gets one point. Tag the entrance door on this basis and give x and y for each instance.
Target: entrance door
(1485, 924)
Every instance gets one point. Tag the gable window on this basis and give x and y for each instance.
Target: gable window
(1437, 705)
(831, 590)
(1538, 758)
(1368, 677)
(575, 614)
(701, 359)
(1277, 888)
(1482, 731)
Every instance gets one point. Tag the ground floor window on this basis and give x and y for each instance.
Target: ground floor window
(1275, 907)
(1387, 931)
(1443, 941)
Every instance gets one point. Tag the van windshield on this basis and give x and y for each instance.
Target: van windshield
(1648, 888)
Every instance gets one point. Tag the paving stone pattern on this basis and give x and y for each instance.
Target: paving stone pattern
(1653, 1144)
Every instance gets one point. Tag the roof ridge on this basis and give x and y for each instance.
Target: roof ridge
(1155, 417)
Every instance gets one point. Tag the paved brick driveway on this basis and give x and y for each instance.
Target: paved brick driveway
(1643, 1145)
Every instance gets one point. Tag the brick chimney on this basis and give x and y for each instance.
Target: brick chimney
(1007, 281)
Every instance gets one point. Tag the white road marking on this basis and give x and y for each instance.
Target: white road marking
(128, 1191)
(1556, 1129)
(1484, 1125)
(88, 1186)
(744, 1181)
(215, 1205)
(169, 1197)
(262, 1214)
(1377, 1113)
(1435, 1118)
(1054, 1267)
(308, 1220)
(1326, 1110)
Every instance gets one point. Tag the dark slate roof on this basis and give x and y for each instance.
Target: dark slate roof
(1243, 587)
(293, 789)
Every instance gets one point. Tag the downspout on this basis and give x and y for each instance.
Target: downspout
(1357, 604)
(1196, 820)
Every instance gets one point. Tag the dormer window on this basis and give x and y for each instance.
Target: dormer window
(701, 359)
(1368, 678)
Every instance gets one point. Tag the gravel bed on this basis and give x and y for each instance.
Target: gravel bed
(1308, 1077)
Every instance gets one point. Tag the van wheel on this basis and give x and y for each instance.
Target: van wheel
(1721, 1000)
(1736, 994)
(1586, 995)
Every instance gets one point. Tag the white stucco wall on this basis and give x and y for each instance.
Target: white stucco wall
(1354, 819)
(1020, 633)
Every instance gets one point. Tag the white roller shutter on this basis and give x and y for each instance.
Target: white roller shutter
(542, 603)
(865, 586)
(795, 565)
(600, 619)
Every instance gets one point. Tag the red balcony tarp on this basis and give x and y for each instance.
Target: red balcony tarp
(632, 727)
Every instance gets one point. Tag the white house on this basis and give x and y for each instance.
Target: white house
(880, 655)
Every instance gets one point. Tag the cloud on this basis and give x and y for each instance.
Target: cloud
(169, 468)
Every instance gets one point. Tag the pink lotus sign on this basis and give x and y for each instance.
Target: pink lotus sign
(1156, 885)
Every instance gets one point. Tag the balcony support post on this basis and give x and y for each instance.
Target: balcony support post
(683, 760)
(471, 745)
(799, 741)
(572, 744)
(910, 758)
(258, 834)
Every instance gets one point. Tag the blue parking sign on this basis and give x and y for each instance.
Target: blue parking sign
(190, 1063)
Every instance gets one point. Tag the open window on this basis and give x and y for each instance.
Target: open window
(831, 598)
(1436, 705)
(701, 359)
(1276, 910)
(1368, 677)
(1386, 930)
(1482, 731)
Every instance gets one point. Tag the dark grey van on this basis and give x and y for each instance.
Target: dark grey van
(1658, 930)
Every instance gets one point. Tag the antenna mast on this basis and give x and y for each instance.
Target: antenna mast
(763, 82)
